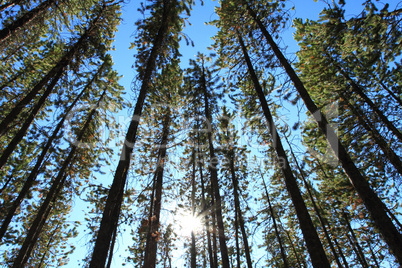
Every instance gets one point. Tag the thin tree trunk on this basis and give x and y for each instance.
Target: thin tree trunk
(239, 212)
(153, 231)
(34, 172)
(355, 241)
(372, 254)
(48, 246)
(283, 253)
(345, 262)
(315, 206)
(193, 251)
(213, 221)
(204, 208)
(44, 210)
(214, 177)
(314, 246)
(236, 226)
(115, 197)
(11, 28)
(371, 200)
(292, 245)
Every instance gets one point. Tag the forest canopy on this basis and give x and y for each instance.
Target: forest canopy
(241, 156)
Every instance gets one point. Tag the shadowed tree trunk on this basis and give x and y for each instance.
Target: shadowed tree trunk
(314, 246)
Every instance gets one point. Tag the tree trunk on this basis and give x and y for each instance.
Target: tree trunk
(154, 220)
(345, 262)
(359, 250)
(25, 19)
(312, 240)
(115, 197)
(45, 208)
(34, 172)
(214, 177)
(371, 200)
(236, 226)
(193, 251)
(239, 213)
(271, 210)
(204, 208)
(315, 206)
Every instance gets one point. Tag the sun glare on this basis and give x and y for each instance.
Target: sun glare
(185, 223)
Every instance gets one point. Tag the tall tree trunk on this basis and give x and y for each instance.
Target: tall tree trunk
(115, 197)
(355, 241)
(371, 200)
(345, 262)
(315, 206)
(214, 228)
(204, 207)
(14, 26)
(271, 210)
(299, 263)
(45, 208)
(57, 70)
(372, 253)
(314, 246)
(236, 226)
(239, 212)
(214, 177)
(154, 220)
(193, 251)
(39, 161)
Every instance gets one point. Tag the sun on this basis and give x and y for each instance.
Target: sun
(185, 222)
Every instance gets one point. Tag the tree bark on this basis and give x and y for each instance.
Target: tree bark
(371, 200)
(314, 246)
